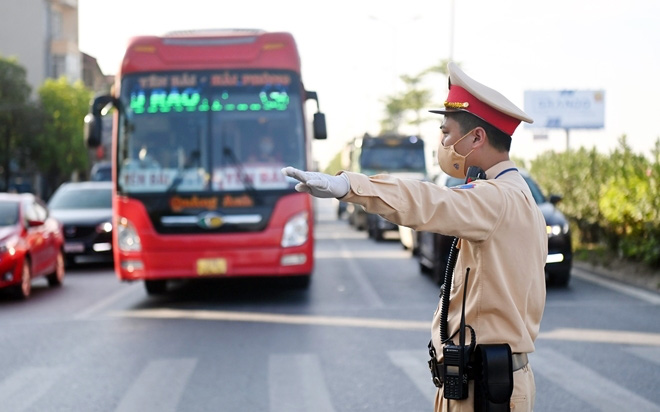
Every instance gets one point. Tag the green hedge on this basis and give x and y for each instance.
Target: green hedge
(611, 200)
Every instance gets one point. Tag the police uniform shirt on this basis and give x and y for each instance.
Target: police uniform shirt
(503, 242)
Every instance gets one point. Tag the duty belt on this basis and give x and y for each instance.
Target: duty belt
(518, 361)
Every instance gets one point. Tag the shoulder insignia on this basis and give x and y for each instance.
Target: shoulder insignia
(465, 186)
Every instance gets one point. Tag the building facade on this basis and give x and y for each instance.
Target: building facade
(43, 36)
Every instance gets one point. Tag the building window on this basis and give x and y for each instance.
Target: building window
(59, 66)
(56, 21)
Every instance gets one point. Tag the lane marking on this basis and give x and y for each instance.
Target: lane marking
(566, 334)
(413, 364)
(647, 296)
(106, 302)
(363, 254)
(587, 385)
(165, 313)
(296, 384)
(159, 387)
(26, 386)
(603, 336)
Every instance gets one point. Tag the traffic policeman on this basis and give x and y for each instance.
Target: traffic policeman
(503, 238)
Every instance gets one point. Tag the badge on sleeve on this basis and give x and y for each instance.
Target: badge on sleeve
(465, 186)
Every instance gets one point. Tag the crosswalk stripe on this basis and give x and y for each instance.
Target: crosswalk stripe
(159, 387)
(414, 365)
(26, 386)
(585, 384)
(296, 384)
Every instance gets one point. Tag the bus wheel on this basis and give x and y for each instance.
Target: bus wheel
(155, 287)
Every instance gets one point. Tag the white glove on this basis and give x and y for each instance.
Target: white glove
(319, 184)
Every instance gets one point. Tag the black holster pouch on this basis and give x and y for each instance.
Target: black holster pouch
(493, 380)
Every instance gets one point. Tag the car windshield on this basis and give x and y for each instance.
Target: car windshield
(8, 213)
(102, 173)
(536, 191)
(81, 199)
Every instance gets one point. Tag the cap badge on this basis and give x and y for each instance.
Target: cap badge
(456, 105)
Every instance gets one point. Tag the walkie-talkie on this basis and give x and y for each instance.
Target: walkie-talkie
(474, 173)
(456, 357)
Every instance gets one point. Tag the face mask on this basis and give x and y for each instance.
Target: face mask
(451, 162)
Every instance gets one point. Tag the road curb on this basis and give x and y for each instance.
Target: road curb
(630, 276)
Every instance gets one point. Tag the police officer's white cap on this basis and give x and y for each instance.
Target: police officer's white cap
(468, 95)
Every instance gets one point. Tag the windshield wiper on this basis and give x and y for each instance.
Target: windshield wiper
(242, 176)
(194, 157)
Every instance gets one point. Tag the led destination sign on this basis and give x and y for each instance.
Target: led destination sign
(190, 100)
(227, 91)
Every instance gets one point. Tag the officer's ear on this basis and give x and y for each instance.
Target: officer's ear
(479, 137)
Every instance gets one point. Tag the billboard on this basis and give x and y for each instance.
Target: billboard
(566, 109)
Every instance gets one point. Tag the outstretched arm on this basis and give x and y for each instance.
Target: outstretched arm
(319, 184)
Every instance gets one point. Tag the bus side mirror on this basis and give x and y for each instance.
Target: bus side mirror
(93, 124)
(320, 131)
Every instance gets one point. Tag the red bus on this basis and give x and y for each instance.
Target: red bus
(203, 123)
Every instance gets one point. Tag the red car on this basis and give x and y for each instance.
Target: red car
(31, 243)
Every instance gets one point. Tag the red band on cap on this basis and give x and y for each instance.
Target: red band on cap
(502, 121)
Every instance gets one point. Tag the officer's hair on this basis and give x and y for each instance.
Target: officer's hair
(497, 138)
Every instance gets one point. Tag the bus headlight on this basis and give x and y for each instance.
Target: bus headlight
(296, 231)
(128, 239)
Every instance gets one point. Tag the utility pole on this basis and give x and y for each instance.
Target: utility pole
(451, 30)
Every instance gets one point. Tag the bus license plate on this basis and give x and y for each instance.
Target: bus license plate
(216, 266)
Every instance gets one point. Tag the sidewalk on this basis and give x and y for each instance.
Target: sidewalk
(626, 273)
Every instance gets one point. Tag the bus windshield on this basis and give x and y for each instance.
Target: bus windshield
(393, 159)
(221, 130)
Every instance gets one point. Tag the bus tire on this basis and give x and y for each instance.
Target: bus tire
(155, 287)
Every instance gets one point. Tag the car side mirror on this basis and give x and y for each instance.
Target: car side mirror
(35, 223)
(554, 199)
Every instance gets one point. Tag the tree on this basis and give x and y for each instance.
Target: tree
(62, 149)
(414, 99)
(17, 120)
(394, 111)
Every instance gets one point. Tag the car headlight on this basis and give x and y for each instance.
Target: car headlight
(105, 227)
(9, 245)
(128, 239)
(556, 230)
(296, 231)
